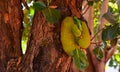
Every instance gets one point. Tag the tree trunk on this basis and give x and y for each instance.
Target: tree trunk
(44, 48)
(10, 31)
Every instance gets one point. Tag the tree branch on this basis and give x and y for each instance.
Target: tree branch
(109, 53)
(96, 43)
(96, 34)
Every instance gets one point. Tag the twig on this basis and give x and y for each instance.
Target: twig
(96, 34)
(96, 42)
(109, 53)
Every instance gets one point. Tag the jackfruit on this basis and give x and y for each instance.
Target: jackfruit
(84, 40)
(72, 36)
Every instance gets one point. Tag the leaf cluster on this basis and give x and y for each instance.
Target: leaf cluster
(80, 59)
(52, 15)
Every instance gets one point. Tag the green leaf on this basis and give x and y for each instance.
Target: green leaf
(78, 23)
(39, 5)
(80, 59)
(110, 32)
(111, 62)
(32, 11)
(117, 57)
(98, 53)
(113, 32)
(51, 15)
(105, 34)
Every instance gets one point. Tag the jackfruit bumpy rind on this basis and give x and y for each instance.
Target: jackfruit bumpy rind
(67, 36)
(72, 37)
(84, 40)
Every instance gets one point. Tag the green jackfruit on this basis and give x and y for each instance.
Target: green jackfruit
(72, 37)
(84, 40)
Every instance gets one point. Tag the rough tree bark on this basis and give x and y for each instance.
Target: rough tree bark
(10, 31)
